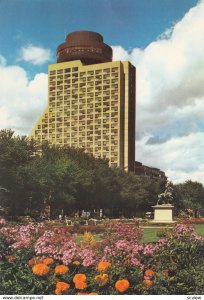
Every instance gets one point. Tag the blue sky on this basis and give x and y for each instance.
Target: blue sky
(164, 39)
(44, 23)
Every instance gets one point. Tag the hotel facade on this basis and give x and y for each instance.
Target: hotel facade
(91, 101)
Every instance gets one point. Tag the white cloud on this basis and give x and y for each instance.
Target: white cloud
(170, 98)
(119, 53)
(21, 101)
(180, 157)
(2, 61)
(35, 55)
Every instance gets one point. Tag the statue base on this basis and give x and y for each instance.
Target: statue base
(163, 214)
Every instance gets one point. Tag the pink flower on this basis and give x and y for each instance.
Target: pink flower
(136, 262)
(59, 244)
(88, 257)
(150, 249)
(128, 232)
(182, 230)
(20, 236)
(2, 221)
(122, 245)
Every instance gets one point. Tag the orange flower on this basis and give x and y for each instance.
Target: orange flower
(35, 260)
(80, 293)
(93, 293)
(48, 261)
(10, 257)
(80, 281)
(40, 269)
(103, 266)
(76, 262)
(31, 262)
(148, 282)
(149, 273)
(80, 285)
(61, 270)
(62, 286)
(79, 277)
(122, 285)
(101, 279)
(58, 292)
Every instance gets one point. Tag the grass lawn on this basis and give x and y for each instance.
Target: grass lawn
(150, 234)
(199, 229)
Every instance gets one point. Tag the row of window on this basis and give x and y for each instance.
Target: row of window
(75, 121)
(81, 110)
(89, 133)
(91, 72)
(77, 49)
(97, 146)
(67, 70)
(87, 113)
(68, 105)
(70, 84)
(82, 76)
(58, 113)
(69, 99)
(85, 81)
(113, 138)
(74, 90)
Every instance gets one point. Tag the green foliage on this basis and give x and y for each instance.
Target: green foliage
(3, 247)
(172, 266)
(15, 152)
(182, 259)
(39, 177)
(16, 278)
(137, 193)
(189, 195)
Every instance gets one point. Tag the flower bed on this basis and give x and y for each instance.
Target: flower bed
(191, 220)
(38, 259)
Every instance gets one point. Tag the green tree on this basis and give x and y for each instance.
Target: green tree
(189, 195)
(38, 176)
(138, 193)
(15, 152)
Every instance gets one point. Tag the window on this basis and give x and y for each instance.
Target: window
(114, 69)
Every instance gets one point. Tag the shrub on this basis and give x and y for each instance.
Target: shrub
(53, 263)
(190, 220)
(2, 222)
(3, 247)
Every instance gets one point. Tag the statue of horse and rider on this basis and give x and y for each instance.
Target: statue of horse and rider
(166, 197)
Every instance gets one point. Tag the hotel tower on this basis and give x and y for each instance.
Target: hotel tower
(91, 101)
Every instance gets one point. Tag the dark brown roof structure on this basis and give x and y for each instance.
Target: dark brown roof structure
(87, 46)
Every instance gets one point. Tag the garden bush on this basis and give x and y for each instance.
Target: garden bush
(38, 259)
(190, 220)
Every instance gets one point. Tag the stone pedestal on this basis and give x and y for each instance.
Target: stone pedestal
(163, 213)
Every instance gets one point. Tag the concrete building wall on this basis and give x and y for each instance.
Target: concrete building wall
(91, 107)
